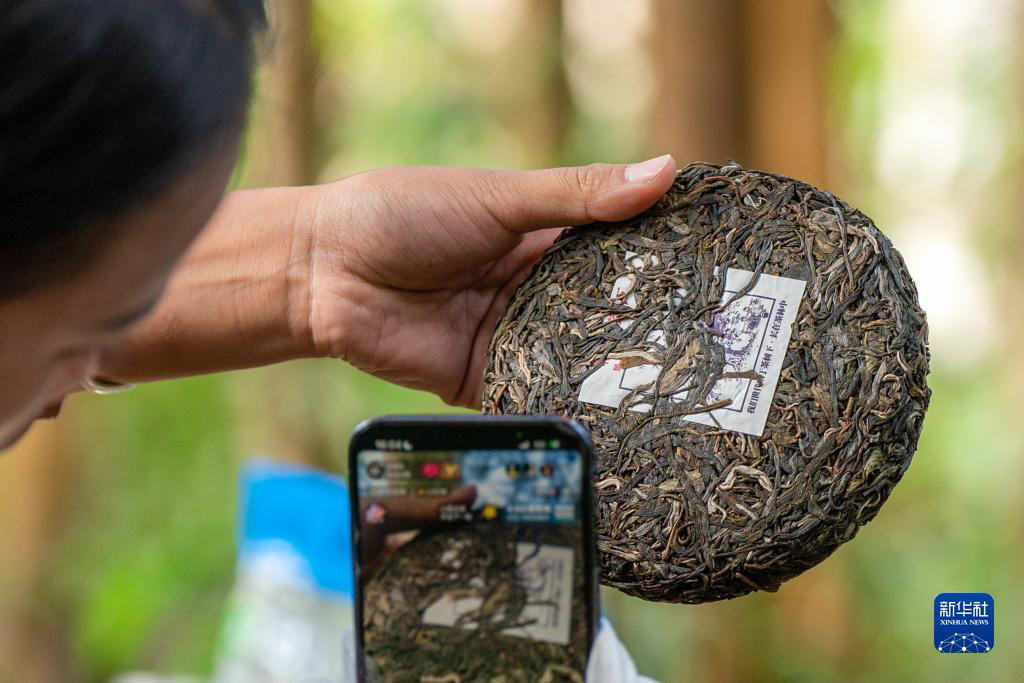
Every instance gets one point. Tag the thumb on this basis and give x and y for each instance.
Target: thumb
(417, 512)
(464, 496)
(523, 201)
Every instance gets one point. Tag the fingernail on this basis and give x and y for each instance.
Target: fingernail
(646, 171)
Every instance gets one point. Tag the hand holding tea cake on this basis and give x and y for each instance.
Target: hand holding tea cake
(413, 266)
(750, 357)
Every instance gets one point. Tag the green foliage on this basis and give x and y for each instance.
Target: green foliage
(142, 572)
(149, 556)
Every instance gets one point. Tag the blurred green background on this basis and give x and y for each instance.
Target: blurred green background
(117, 523)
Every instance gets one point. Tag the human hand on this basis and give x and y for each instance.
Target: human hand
(381, 517)
(410, 268)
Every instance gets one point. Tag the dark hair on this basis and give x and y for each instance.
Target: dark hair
(103, 103)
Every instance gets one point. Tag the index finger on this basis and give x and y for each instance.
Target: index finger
(416, 512)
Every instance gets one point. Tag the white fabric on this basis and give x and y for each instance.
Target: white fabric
(609, 661)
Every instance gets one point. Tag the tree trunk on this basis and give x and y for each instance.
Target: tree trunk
(698, 112)
(34, 481)
(284, 144)
(744, 80)
(785, 70)
(533, 94)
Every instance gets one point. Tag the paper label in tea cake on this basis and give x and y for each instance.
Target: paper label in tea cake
(754, 331)
(545, 571)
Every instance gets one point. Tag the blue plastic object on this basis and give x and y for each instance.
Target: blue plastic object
(305, 508)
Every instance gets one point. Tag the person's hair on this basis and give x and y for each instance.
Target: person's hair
(103, 104)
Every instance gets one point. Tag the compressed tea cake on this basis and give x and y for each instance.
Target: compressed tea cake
(506, 634)
(750, 358)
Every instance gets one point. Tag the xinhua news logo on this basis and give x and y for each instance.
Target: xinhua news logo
(964, 623)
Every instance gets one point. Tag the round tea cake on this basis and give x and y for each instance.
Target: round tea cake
(483, 561)
(750, 358)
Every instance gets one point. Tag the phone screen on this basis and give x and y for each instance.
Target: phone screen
(474, 561)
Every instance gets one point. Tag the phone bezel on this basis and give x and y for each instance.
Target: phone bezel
(464, 432)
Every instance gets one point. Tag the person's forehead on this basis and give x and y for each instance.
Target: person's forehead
(126, 277)
(156, 233)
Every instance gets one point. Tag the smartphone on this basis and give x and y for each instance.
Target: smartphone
(475, 550)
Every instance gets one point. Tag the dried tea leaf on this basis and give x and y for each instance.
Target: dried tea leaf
(476, 560)
(691, 512)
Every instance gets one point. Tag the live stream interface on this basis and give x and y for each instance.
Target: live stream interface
(477, 552)
(513, 486)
